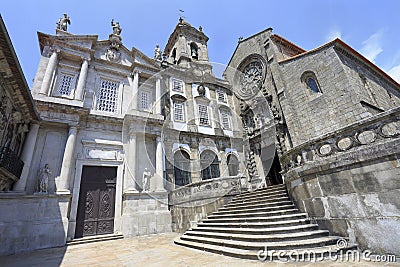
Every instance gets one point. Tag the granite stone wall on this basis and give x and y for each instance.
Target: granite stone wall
(30, 222)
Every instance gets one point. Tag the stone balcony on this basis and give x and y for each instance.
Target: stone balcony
(10, 168)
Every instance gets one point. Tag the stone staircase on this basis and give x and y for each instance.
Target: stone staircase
(95, 238)
(264, 218)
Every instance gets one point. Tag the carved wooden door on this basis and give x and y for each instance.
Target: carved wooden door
(96, 201)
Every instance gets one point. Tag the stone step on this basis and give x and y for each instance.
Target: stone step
(262, 193)
(262, 205)
(92, 239)
(255, 214)
(273, 245)
(318, 252)
(264, 218)
(300, 236)
(266, 189)
(255, 202)
(256, 224)
(255, 198)
(255, 210)
(222, 228)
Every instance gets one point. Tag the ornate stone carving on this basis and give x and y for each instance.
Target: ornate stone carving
(366, 137)
(146, 180)
(201, 90)
(157, 53)
(116, 27)
(345, 143)
(251, 80)
(376, 130)
(63, 22)
(112, 52)
(43, 179)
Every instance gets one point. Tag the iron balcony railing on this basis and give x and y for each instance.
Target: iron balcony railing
(10, 161)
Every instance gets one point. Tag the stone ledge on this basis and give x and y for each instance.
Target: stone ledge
(23, 195)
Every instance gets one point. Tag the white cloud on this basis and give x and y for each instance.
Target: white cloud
(333, 34)
(372, 46)
(395, 73)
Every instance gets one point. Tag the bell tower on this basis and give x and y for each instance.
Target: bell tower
(187, 45)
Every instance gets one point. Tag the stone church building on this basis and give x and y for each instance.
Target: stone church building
(116, 143)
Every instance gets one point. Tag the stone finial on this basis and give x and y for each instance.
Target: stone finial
(63, 22)
(240, 39)
(200, 28)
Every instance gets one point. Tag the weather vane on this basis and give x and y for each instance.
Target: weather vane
(181, 12)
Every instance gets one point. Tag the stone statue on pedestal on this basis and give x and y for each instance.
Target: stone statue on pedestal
(63, 22)
(43, 179)
(146, 180)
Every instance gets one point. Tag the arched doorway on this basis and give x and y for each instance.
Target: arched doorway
(182, 168)
(272, 170)
(209, 165)
(233, 165)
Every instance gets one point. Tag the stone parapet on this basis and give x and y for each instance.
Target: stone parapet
(376, 131)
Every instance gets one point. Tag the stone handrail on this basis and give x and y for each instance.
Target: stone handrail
(374, 129)
(207, 189)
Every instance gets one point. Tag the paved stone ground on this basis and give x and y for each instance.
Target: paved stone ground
(155, 250)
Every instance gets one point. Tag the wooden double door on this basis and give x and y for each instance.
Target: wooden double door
(96, 205)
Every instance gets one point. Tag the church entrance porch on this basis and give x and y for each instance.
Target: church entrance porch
(96, 204)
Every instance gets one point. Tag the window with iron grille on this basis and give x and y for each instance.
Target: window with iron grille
(145, 100)
(177, 86)
(178, 112)
(225, 120)
(221, 96)
(107, 96)
(64, 84)
(203, 115)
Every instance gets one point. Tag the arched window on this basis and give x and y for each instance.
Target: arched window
(311, 81)
(194, 51)
(173, 55)
(209, 165)
(182, 168)
(233, 165)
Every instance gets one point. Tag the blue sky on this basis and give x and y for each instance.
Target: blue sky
(370, 27)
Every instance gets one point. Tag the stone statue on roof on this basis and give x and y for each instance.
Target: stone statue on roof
(157, 53)
(63, 22)
(116, 27)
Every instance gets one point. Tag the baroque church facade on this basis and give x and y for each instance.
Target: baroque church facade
(123, 144)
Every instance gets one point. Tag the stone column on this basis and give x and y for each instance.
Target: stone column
(159, 175)
(80, 88)
(67, 163)
(196, 165)
(48, 75)
(26, 157)
(135, 90)
(157, 108)
(130, 169)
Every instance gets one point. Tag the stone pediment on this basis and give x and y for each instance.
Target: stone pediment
(77, 41)
(142, 59)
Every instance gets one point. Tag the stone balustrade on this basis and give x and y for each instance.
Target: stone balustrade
(207, 190)
(379, 128)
